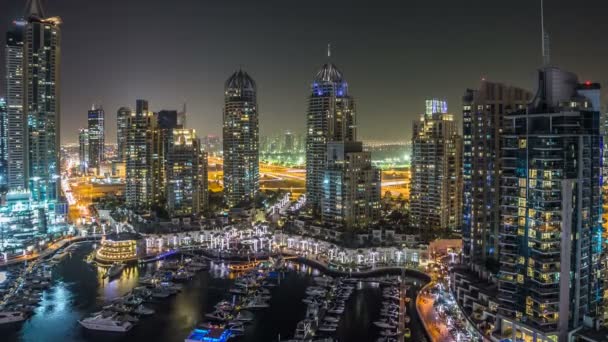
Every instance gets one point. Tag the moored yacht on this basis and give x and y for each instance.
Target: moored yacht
(112, 323)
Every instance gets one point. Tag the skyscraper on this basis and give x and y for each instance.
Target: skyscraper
(3, 143)
(436, 191)
(483, 112)
(122, 130)
(83, 149)
(351, 187)
(41, 56)
(96, 130)
(240, 139)
(331, 117)
(165, 121)
(16, 121)
(139, 139)
(186, 170)
(550, 237)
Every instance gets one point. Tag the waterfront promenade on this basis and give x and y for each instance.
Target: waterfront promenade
(51, 249)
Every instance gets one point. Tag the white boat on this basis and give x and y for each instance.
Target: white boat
(256, 303)
(245, 316)
(219, 315)
(327, 328)
(114, 270)
(304, 329)
(384, 325)
(389, 333)
(106, 324)
(11, 317)
(161, 293)
(143, 311)
(332, 319)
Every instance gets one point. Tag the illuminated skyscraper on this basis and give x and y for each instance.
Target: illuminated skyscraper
(436, 195)
(83, 149)
(351, 187)
(41, 55)
(241, 140)
(331, 118)
(483, 113)
(435, 106)
(165, 121)
(551, 245)
(186, 170)
(16, 129)
(3, 143)
(122, 129)
(139, 141)
(96, 130)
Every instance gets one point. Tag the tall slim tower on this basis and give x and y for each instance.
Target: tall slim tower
(122, 131)
(550, 237)
(3, 143)
(96, 130)
(139, 141)
(331, 117)
(16, 129)
(41, 60)
(483, 113)
(241, 139)
(83, 149)
(436, 195)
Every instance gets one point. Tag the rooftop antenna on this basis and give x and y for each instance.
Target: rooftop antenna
(329, 50)
(545, 37)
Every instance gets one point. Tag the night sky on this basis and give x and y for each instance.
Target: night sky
(393, 55)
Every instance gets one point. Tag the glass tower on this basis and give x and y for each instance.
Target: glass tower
(331, 118)
(241, 140)
(550, 237)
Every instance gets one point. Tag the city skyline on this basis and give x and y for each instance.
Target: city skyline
(408, 41)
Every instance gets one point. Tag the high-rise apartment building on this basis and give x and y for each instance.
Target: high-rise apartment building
(165, 121)
(83, 149)
(351, 187)
(550, 238)
(436, 190)
(139, 140)
(96, 131)
(122, 131)
(483, 113)
(186, 174)
(41, 58)
(3, 143)
(16, 129)
(331, 118)
(241, 140)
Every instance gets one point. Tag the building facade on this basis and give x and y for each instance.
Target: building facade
(483, 112)
(16, 129)
(42, 56)
(331, 118)
(240, 140)
(186, 171)
(122, 131)
(3, 143)
(351, 187)
(96, 131)
(83, 149)
(550, 279)
(165, 121)
(436, 190)
(139, 140)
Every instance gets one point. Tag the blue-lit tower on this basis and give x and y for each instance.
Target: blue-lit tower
(331, 118)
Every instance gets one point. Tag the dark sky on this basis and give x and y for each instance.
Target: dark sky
(393, 54)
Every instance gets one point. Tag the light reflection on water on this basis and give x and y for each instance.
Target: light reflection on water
(79, 289)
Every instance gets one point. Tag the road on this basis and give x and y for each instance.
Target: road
(273, 177)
